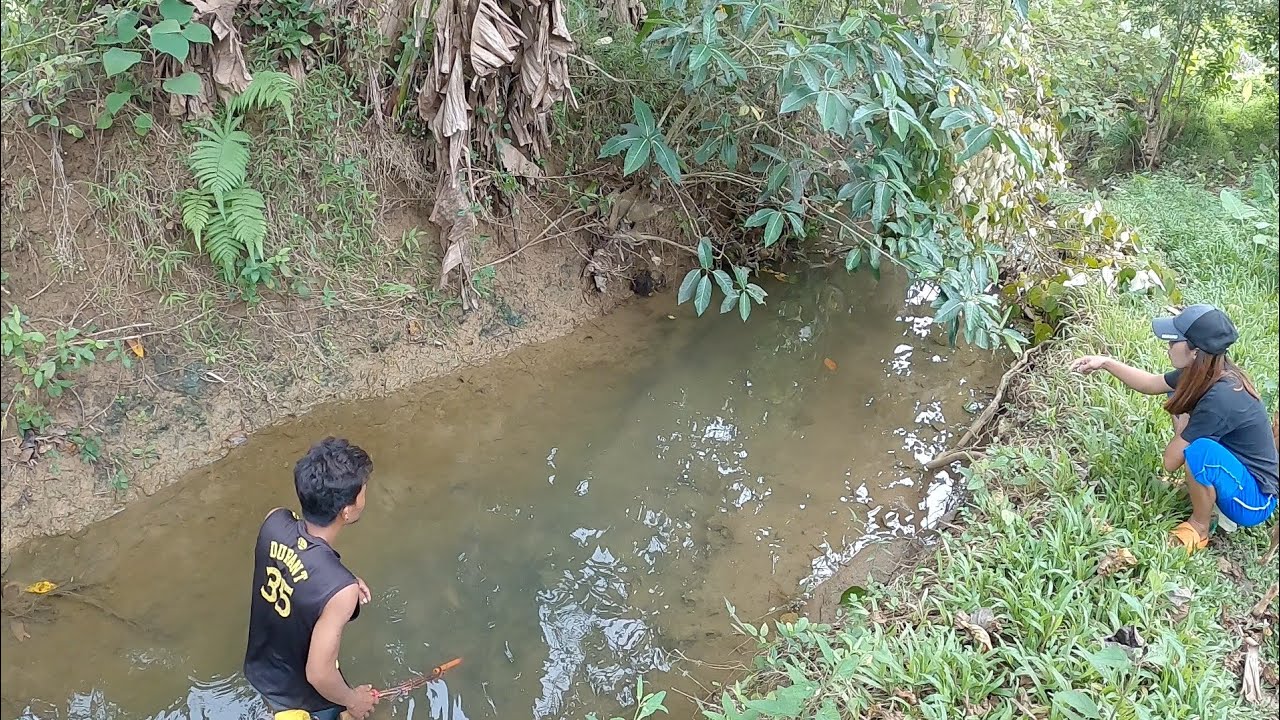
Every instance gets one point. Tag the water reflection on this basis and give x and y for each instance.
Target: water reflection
(592, 631)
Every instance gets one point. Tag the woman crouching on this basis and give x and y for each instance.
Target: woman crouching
(1221, 433)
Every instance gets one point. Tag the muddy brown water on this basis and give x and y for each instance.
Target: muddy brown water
(565, 519)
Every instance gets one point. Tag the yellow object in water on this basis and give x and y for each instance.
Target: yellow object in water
(44, 587)
(293, 715)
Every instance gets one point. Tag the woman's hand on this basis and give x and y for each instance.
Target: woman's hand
(1089, 364)
(1180, 423)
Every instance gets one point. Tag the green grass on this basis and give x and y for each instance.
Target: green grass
(1080, 480)
(1216, 260)
(1221, 134)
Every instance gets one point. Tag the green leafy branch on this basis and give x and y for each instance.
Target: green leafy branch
(640, 140)
(848, 134)
(737, 289)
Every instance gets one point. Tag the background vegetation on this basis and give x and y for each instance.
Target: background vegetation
(1065, 542)
(1052, 167)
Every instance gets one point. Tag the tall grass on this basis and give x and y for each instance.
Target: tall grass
(1222, 133)
(1079, 486)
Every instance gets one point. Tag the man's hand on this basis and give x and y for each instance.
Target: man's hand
(361, 703)
(365, 595)
(1089, 364)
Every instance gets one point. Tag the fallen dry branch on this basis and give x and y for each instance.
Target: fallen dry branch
(964, 448)
(1264, 604)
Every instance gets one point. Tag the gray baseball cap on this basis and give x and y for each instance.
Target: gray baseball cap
(1204, 327)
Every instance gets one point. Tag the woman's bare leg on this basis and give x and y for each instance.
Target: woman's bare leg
(1204, 499)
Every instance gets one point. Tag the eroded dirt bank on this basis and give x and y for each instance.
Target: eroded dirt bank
(168, 420)
(205, 369)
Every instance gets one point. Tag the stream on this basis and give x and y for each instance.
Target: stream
(565, 519)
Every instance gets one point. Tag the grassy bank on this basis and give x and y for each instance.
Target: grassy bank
(1065, 540)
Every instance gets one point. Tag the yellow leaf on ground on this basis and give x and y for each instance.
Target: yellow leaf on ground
(136, 346)
(1116, 560)
(44, 587)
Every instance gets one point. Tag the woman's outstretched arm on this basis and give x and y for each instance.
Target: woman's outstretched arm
(1139, 380)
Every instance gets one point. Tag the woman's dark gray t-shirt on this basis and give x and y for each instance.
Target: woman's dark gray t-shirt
(1239, 422)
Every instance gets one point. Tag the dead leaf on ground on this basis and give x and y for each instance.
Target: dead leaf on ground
(19, 629)
(1251, 673)
(979, 635)
(136, 346)
(831, 364)
(1180, 598)
(906, 696)
(516, 163)
(44, 587)
(1230, 569)
(1116, 560)
(1127, 638)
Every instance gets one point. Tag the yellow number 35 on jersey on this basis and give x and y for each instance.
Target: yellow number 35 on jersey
(277, 591)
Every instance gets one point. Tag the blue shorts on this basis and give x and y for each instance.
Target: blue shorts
(1239, 498)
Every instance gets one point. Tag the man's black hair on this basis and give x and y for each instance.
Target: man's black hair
(329, 477)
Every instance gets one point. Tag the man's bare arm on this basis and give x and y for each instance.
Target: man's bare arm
(326, 639)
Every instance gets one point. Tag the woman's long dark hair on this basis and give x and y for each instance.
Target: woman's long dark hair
(1200, 375)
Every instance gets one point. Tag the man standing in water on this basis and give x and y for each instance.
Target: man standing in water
(303, 596)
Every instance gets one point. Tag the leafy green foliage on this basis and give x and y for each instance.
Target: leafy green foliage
(188, 83)
(1127, 73)
(221, 160)
(641, 140)
(227, 217)
(847, 134)
(1259, 220)
(268, 89)
(737, 289)
(42, 59)
(282, 30)
(165, 28)
(648, 706)
(42, 363)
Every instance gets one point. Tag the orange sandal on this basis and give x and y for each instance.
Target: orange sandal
(1188, 537)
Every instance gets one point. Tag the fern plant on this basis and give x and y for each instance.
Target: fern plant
(268, 89)
(224, 214)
